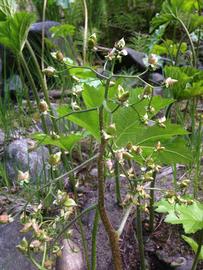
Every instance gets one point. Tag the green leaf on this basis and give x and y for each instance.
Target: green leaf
(69, 203)
(190, 216)
(168, 47)
(138, 134)
(14, 31)
(196, 89)
(85, 75)
(193, 244)
(189, 82)
(63, 142)
(88, 120)
(93, 96)
(7, 8)
(156, 36)
(175, 151)
(195, 21)
(173, 9)
(62, 30)
(129, 128)
(163, 206)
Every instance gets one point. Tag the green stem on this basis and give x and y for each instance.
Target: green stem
(111, 232)
(174, 177)
(84, 244)
(124, 220)
(43, 85)
(140, 236)
(34, 89)
(196, 259)
(85, 31)
(194, 59)
(193, 141)
(198, 157)
(43, 32)
(117, 180)
(94, 241)
(76, 112)
(151, 204)
(24, 85)
(44, 254)
(46, 95)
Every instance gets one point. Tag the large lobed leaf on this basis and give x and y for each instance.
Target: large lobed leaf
(190, 216)
(14, 31)
(173, 9)
(129, 128)
(88, 120)
(63, 142)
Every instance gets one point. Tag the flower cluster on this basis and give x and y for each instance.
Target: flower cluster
(118, 51)
(45, 230)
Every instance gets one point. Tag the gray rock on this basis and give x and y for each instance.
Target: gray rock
(36, 28)
(156, 78)
(134, 58)
(10, 257)
(19, 156)
(71, 258)
(2, 137)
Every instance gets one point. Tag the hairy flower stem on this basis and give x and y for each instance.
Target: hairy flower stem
(43, 32)
(43, 85)
(24, 85)
(34, 89)
(194, 58)
(94, 241)
(196, 259)
(46, 96)
(84, 244)
(140, 236)
(111, 232)
(151, 204)
(85, 31)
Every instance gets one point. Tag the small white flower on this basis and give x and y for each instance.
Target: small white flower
(23, 175)
(77, 89)
(109, 165)
(124, 52)
(49, 71)
(145, 119)
(119, 45)
(152, 60)
(106, 136)
(75, 106)
(170, 82)
(161, 121)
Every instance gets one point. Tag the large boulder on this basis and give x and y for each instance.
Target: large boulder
(22, 155)
(71, 258)
(10, 257)
(37, 28)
